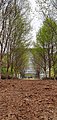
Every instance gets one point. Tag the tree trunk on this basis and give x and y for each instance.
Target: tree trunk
(12, 67)
(1, 60)
(45, 73)
(0, 69)
(49, 69)
(45, 65)
(49, 61)
(7, 66)
(53, 61)
(38, 73)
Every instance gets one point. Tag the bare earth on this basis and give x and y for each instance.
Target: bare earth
(28, 100)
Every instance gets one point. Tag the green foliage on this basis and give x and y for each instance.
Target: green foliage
(45, 49)
(15, 40)
(3, 70)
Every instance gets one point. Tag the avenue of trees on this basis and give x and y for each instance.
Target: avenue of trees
(45, 47)
(14, 36)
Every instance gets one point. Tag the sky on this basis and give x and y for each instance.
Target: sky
(37, 19)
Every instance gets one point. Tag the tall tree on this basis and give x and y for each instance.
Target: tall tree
(14, 29)
(46, 46)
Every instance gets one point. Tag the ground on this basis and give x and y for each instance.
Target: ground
(28, 100)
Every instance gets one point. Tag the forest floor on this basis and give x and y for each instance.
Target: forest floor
(28, 100)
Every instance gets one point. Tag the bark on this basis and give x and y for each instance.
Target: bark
(49, 61)
(12, 67)
(1, 59)
(38, 72)
(45, 65)
(0, 68)
(7, 60)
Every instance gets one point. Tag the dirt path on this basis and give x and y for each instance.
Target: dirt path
(28, 100)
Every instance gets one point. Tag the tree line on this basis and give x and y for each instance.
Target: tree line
(45, 47)
(14, 36)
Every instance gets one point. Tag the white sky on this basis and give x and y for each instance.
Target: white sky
(37, 20)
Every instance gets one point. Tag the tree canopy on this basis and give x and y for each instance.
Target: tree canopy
(46, 47)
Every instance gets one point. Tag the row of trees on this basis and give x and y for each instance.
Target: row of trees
(14, 36)
(45, 48)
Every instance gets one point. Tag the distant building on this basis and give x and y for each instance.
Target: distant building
(30, 71)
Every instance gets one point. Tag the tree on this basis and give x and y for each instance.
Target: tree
(47, 8)
(14, 29)
(36, 60)
(46, 46)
